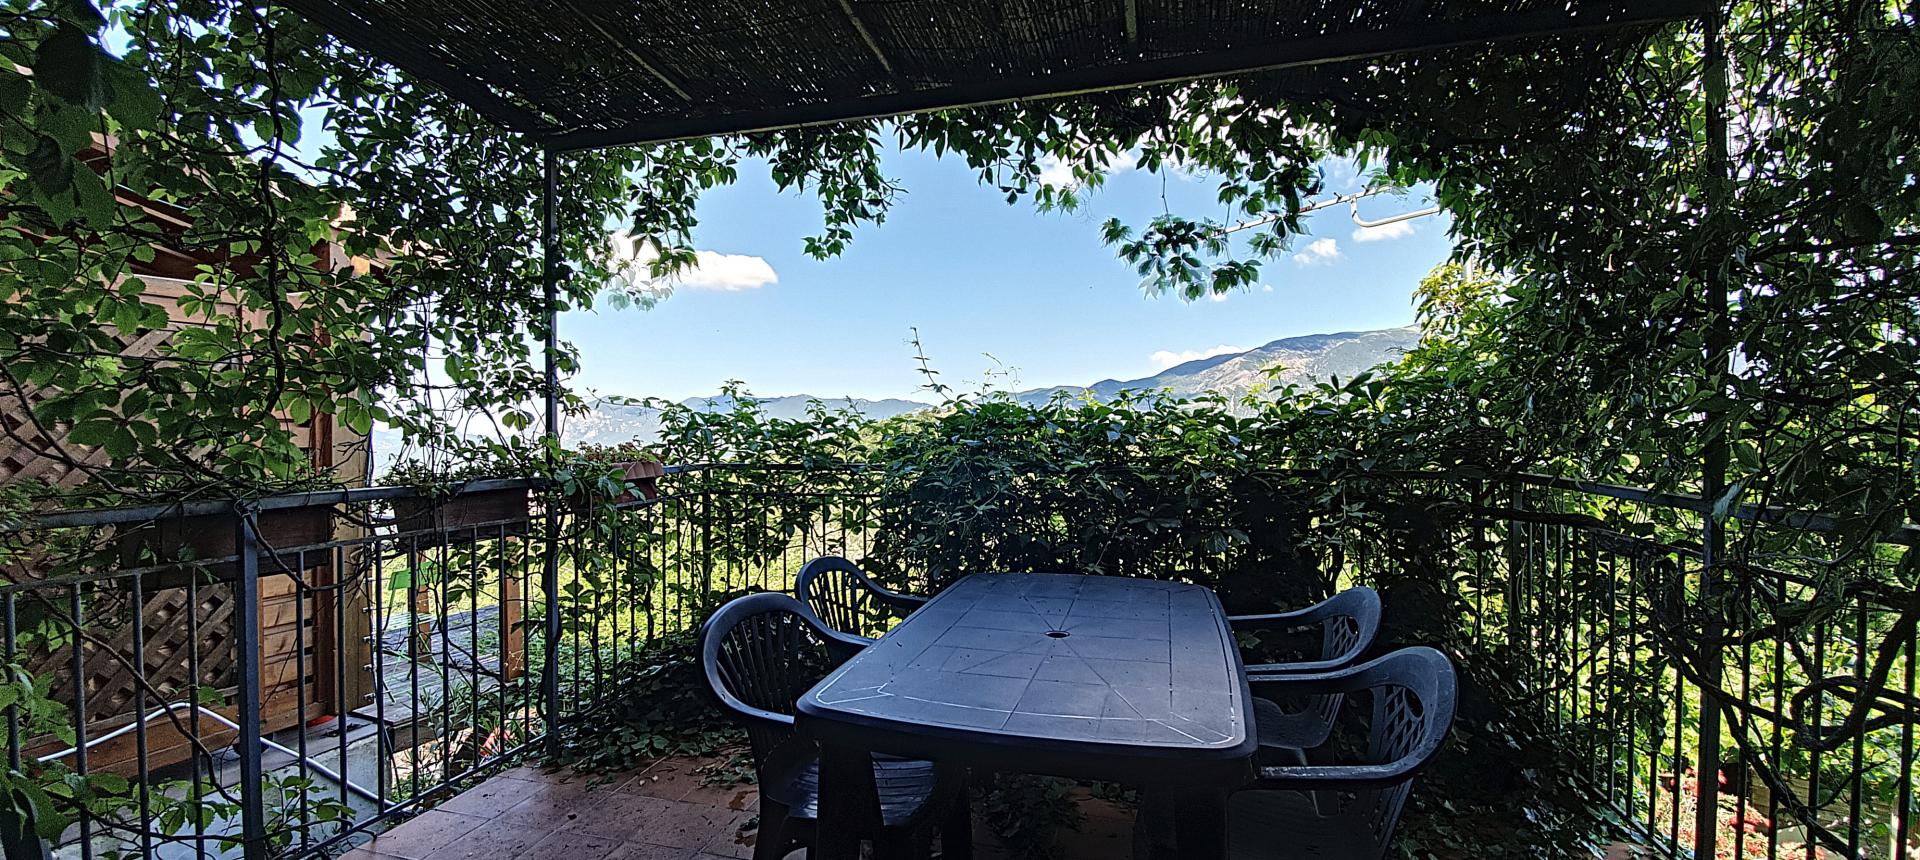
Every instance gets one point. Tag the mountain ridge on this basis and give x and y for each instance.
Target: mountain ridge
(1302, 359)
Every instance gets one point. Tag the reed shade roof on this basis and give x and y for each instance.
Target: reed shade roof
(591, 73)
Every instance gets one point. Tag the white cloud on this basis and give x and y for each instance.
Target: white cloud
(1396, 230)
(1266, 288)
(1168, 358)
(1059, 174)
(1342, 174)
(728, 272)
(712, 270)
(1218, 297)
(1320, 251)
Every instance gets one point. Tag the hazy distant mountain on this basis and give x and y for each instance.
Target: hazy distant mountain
(1310, 358)
(613, 423)
(1301, 359)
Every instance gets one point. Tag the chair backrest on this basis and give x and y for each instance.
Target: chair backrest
(1352, 620)
(1348, 621)
(1414, 694)
(1347, 630)
(843, 597)
(761, 652)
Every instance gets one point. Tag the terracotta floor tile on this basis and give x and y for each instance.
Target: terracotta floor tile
(490, 798)
(418, 837)
(653, 820)
(549, 804)
(730, 841)
(566, 776)
(362, 853)
(571, 846)
(734, 797)
(670, 778)
(648, 851)
(631, 817)
(530, 773)
(493, 841)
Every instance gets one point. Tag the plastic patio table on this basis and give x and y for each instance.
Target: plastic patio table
(1089, 677)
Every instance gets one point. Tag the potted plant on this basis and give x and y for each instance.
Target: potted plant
(456, 506)
(189, 541)
(613, 474)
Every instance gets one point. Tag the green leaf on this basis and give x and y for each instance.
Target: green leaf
(15, 88)
(49, 166)
(132, 100)
(69, 65)
(81, 12)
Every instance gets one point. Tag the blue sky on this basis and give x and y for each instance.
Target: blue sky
(1038, 292)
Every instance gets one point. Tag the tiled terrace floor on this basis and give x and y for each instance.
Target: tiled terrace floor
(663, 812)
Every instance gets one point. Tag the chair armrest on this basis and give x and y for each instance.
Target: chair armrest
(1294, 620)
(746, 711)
(1272, 670)
(1320, 683)
(842, 646)
(898, 600)
(1337, 777)
(1361, 604)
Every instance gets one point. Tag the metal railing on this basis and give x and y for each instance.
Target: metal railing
(275, 677)
(1591, 596)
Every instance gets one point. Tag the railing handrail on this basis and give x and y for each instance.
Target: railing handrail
(1907, 534)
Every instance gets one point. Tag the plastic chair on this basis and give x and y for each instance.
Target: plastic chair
(761, 653)
(1348, 623)
(1349, 811)
(841, 596)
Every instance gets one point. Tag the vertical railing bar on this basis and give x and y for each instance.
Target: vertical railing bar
(578, 628)
(1571, 574)
(336, 563)
(1743, 805)
(195, 790)
(474, 655)
(1656, 730)
(253, 822)
(1819, 717)
(615, 554)
(1859, 737)
(1903, 796)
(657, 589)
(1779, 672)
(13, 711)
(1679, 753)
(378, 586)
(302, 592)
(415, 568)
(504, 567)
(1632, 719)
(443, 634)
(142, 773)
(79, 661)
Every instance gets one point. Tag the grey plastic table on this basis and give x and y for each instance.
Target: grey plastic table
(1088, 677)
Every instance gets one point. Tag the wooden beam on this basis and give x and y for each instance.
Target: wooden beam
(1587, 17)
(865, 36)
(625, 46)
(1130, 15)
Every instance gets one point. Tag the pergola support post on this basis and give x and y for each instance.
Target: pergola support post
(1715, 446)
(550, 556)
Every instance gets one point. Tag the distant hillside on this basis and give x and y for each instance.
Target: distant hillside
(613, 423)
(1302, 360)
(1306, 359)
